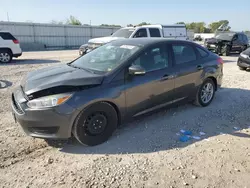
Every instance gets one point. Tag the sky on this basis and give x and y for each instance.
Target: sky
(123, 12)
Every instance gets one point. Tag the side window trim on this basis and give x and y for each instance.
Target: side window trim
(198, 55)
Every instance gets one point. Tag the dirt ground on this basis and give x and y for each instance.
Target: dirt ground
(143, 153)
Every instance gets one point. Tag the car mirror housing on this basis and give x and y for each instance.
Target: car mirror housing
(136, 70)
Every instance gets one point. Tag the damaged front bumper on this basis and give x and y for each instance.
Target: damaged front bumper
(54, 123)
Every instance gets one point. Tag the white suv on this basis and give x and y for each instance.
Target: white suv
(9, 47)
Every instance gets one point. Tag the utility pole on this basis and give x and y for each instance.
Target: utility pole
(89, 22)
(8, 17)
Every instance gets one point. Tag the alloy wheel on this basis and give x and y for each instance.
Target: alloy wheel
(207, 93)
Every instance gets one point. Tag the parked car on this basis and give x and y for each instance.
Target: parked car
(198, 38)
(9, 47)
(177, 31)
(244, 60)
(227, 42)
(92, 95)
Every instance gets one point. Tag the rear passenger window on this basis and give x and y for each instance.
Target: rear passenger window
(202, 53)
(183, 53)
(7, 36)
(154, 32)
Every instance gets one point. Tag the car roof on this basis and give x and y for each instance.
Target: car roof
(2, 31)
(145, 41)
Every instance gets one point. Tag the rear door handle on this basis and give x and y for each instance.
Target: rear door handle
(167, 77)
(199, 67)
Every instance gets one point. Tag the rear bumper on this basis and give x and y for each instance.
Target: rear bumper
(243, 62)
(17, 55)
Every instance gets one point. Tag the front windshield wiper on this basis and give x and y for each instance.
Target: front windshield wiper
(86, 69)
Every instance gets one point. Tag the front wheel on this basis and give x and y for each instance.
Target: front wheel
(225, 50)
(95, 124)
(242, 68)
(205, 93)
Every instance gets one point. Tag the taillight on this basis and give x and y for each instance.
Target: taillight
(16, 41)
(220, 60)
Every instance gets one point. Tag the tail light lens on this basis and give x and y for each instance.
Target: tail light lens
(220, 60)
(16, 41)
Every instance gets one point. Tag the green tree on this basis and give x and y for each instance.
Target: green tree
(73, 21)
(112, 25)
(143, 23)
(215, 25)
(197, 27)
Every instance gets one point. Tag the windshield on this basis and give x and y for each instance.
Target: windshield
(124, 33)
(225, 36)
(105, 58)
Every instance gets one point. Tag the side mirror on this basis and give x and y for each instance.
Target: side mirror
(136, 70)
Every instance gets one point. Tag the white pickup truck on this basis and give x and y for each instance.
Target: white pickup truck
(177, 31)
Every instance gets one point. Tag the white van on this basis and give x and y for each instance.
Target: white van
(177, 31)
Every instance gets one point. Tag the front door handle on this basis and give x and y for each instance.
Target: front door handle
(199, 67)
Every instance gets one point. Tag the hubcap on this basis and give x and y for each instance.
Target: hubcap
(207, 93)
(96, 123)
(4, 57)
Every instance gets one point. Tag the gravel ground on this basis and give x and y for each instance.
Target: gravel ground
(143, 153)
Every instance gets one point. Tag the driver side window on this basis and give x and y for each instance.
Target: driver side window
(141, 33)
(235, 38)
(153, 59)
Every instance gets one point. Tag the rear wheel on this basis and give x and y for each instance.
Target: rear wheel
(5, 56)
(205, 93)
(95, 124)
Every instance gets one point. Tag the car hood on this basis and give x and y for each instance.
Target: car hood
(103, 40)
(215, 40)
(62, 75)
(246, 52)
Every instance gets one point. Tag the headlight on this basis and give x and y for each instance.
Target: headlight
(244, 55)
(49, 101)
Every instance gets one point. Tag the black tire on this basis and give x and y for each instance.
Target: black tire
(86, 123)
(5, 56)
(242, 68)
(226, 50)
(198, 100)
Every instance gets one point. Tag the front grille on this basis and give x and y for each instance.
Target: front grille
(16, 106)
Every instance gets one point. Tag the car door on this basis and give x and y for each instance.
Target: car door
(236, 42)
(188, 69)
(154, 89)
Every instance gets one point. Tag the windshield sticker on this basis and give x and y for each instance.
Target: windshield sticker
(127, 47)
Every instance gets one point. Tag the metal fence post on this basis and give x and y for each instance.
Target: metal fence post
(34, 32)
(65, 36)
